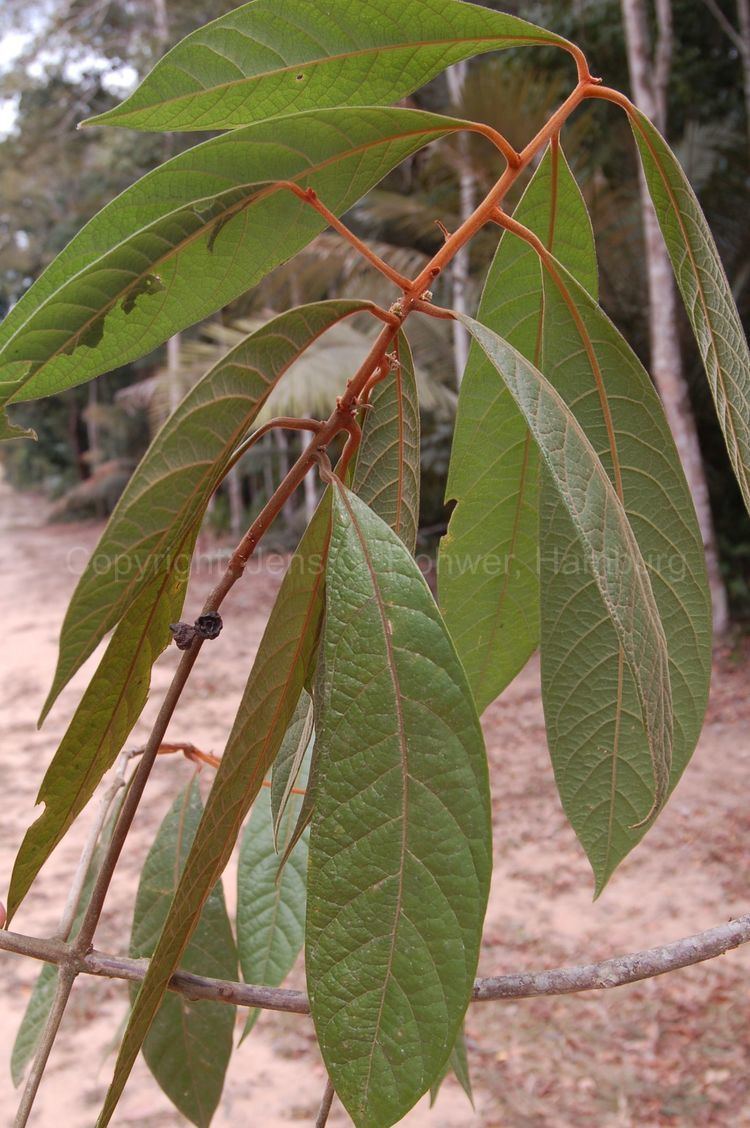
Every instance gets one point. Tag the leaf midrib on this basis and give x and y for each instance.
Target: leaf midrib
(178, 248)
(310, 64)
(404, 750)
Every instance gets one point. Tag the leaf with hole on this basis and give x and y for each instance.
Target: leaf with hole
(610, 549)
(284, 659)
(705, 292)
(262, 60)
(400, 846)
(190, 1042)
(488, 561)
(191, 236)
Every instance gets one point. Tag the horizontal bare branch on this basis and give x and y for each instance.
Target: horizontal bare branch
(614, 972)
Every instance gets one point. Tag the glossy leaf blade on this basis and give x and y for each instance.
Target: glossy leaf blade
(162, 507)
(609, 545)
(100, 726)
(599, 749)
(705, 292)
(284, 659)
(193, 235)
(487, 564)
(387, 473)
(190, 1043)
(270, 905)
(262, 60)
(400, 847)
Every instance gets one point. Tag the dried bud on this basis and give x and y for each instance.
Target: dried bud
(209, 626)
(183, 634)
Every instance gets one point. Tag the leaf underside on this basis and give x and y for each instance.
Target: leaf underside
(705, 291)
(281, 667)
(265, 59)
(488, 561)
(191, 236)
(400, 847)
(611, 552)
(189, 1044)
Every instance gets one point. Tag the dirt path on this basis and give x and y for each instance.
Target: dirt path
(674, 1051)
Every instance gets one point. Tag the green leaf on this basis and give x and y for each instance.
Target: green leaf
(387, 473)
(599, 749)
(100, 726)
(193, 235)
(287, 765)
(705, 291)
(157, 518)
(487, 565)
(400, 848)
(458, 1064)
(190, 1043)
(259, 60)
(43, 991)
(284, 658)
(610, 549)
(271, 905)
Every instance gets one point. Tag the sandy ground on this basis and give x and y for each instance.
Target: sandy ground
(673, 1051)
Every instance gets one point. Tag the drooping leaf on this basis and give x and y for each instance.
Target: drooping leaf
(43, 991)
(284, 658)
(261, 60)
(271, 905)
(610, 549)
(100, 726)
(387, 473)
(487, 565)
(190, 1042)
(192, 235)
(159, 514)
(599, 750)
(458, 1064)
(705, 291)
(400, 848)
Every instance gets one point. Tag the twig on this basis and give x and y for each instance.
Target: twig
(65, 981)
(603, 976)
(325, 1105)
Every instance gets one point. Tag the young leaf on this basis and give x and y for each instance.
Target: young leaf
(259, 61)
(270, 905)
(158, 515)
(287, 765)
(191, 236)
(387, 473)
(705, 291)
(400, 848)
(100, 726)
(599, 750)
(609, 546)
(458, 1064)
(190, 1043)
(284, 658)
(487, 564)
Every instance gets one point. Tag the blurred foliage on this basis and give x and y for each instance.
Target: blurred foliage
(53, 180)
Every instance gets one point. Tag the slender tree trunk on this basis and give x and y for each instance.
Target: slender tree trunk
(650, 79)
(466, 203)
(234, 491)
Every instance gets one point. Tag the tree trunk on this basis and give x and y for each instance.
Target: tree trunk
(649, 79)
(456, 76)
